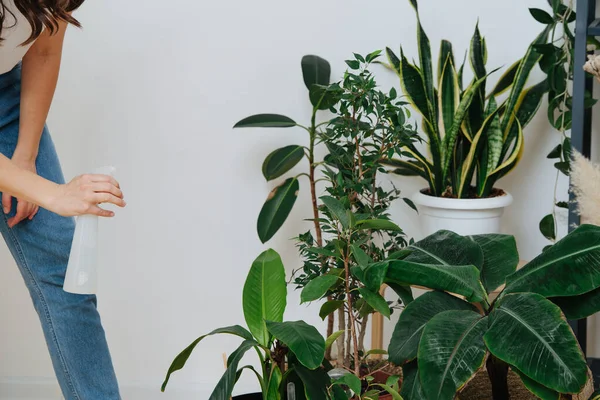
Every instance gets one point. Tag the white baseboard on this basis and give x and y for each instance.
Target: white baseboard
(47, 389)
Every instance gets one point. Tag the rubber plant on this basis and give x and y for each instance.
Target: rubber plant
(368, 126)
(444, 339)
(472, 136)
(557, 63)
(283, 348)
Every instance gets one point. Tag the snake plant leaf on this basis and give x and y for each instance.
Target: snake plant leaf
(449, 96)
(407, 333)
(224, 388)
(458, 279)
(407, 168)
(528, 331)
(281, 161)
(536, 388)
(500, 258)
(568, 268)
(529, 61)
(276, 209)
(264, 294)
(578, 307)
(477, 59)
(527, 106)
(315, 70)
(446, 53)
(446, 248)
(181, 359)
(450, 353)
(506, 80)
(494, 140)
(302, 339)
(513, 159)
(266, 121)
(411, 386)
(426, 66)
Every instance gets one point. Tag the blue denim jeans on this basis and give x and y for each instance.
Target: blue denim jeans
(41, 247)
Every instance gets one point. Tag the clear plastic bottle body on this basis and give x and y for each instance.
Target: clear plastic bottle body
(82, 269)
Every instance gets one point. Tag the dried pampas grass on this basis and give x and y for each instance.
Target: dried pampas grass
(593, 66)
(585, 184)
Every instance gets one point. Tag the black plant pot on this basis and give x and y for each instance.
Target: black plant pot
(251, 396)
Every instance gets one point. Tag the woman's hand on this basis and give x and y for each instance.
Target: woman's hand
(25, 210)
(83, 194)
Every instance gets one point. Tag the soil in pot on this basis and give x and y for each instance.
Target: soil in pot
(251, 396)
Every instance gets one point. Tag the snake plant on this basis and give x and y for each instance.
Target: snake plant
(474, 137)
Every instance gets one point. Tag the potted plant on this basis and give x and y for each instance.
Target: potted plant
(474, 138)
(351, 224)
(283, 348)
(451, 334)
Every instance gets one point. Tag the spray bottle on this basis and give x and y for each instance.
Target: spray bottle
(82, 269)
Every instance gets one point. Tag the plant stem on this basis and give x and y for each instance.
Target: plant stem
(340, 342)
(363, 333)
(498, 373)
(351, 312)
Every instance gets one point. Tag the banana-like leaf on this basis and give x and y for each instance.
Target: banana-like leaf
(265, 294)
(411, 386)
(536, 388)
(449, 96)
(224, 387)
(500, 259)
(281, 161)
(468, 166)
(528, 331)
(529, 61)
(266, 121)
(407, 333)
(179, 361)
(315, 381)
(506, 80)
(578, 307)
(276, 209)
(426, 66)
(315, 70)
(446, 248)
(274, 383)
(450, 353)
(303, 340)
(446, 53)
(569, 268)
(458, 279)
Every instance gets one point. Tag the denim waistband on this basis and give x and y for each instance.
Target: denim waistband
(11, 77)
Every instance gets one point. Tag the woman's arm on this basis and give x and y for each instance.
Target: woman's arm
(40, 70)
(80, 196)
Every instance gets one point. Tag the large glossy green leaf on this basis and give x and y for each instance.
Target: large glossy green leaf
(578, 307)
(539, 390)
(374, 275)
(315, 70)
(352, 381)
(458, 279)
(266, 121)
(179, 361)
(569, 268)
(265, 294)
(318, 287)
(404, 292)
(506, 80)
(337, 209)
(376, 301)
(446, 248)
(224, 387)
(449, 96)
(450, 352)
(276, 209)
(315, 381)
(407, 334)
(323, 97)
(528, 331)
(500, 259)
(411, 387)
(281, 161)
(378, 224)
(303, 340)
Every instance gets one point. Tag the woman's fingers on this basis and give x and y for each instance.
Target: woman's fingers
(101, 178)
(24, 211)
(106, 187)
(34, 212)
(6, 203)
(109, 198)
(95, 210)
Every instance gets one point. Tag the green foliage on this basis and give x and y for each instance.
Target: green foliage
(471, 137)
(444, 339)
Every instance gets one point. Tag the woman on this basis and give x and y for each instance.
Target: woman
(32, 33)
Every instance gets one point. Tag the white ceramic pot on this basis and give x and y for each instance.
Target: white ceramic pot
(463, 216)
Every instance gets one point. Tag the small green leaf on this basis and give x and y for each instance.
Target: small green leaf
(376, 301)
(555, 153)
(281, 161)
(337, 210)
(323, 97)
(330, 307)
(562, 204)
(303, 340)
(315, 70)
(266, 121)
(411, 204)
(352, 382)
(360, 256)
(317, 288)
(564, 167)
(322, 251)
(380, 352)
(331, 339)
(541, 16)
(547, 227)
(276, 209)
(353, 64)
(378, 224)
(390, 390)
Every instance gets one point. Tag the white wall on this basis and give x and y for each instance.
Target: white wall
(154, 87)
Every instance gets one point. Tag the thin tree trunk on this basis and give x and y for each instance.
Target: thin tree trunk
(341, 344)
(363, 333)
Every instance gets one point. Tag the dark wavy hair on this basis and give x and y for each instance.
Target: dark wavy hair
(41, 14)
